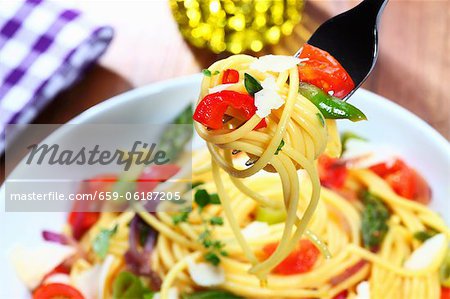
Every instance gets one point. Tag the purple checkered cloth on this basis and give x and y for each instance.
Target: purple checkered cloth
(44, 48)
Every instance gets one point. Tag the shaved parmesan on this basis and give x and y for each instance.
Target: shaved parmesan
(107, 268)
(275, 63)
(87, 282)
(206, 275)
(429, 252)
(220, 87)
(58, 278)
(256, 229)
(268, 98)
(362, 154)
(173, 294)
(32, 264)
(363, 290)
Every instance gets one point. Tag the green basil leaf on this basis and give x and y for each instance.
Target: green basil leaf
(214, 199)
(212, 258)
(180, 217)
(196, 184)
(251, 84)
(127, 286)
(424, 235)
(206, 72)
(216, 220)
(374, 220)
(202, 198)
(100, 244)
(211, 294)
(346, 136)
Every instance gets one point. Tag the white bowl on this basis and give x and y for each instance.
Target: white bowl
(389, 124)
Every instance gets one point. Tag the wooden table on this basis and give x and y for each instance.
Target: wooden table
(412, 70)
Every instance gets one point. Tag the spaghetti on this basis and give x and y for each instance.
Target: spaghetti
(297, 124)
(308, 226)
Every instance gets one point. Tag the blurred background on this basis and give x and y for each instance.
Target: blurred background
(157, 40)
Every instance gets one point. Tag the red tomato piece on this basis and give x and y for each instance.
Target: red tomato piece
(58, 269)
(324, 71)
(341, 295)
(57, 291)
(84, 212)
(422, 190)
(383, 169)
(332, 172)
(404, 180)
(301, 260)
(445, 293)
(211, 109)
(230, 76)
(154, 175)
(261, 124)
(81, 222)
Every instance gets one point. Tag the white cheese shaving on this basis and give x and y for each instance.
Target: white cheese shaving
(86, 282)
(275, 63)
(331, 92)
(106, 270)
(256, 229)
(32, 264)
(425, 255)
(220, 87)
(363, 290)
(58, 278)
(362, 154)
(172, 294)
(206, 275)
(268, 98)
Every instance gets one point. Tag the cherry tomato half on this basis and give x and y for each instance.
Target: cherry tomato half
(404, 180)
(230, 76)
(57, 291)
(301, 260)
(332, 172)
(324, 71)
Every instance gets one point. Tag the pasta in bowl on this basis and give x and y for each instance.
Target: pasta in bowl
(370, 221)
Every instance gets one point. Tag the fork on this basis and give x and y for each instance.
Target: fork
(352, 38)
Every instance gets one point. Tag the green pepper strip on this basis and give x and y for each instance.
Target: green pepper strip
(331, 107)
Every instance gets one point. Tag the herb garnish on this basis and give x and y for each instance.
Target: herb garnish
(210, 294)
(196, 184)
(216, 220)
(100, 244)
(208, 73)
(181, 217)
(280, 146)
(251, 84)
(346, 136)
(202, 198)
(424, 235)
(374, 220)
(214, 247)
(212, 257)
